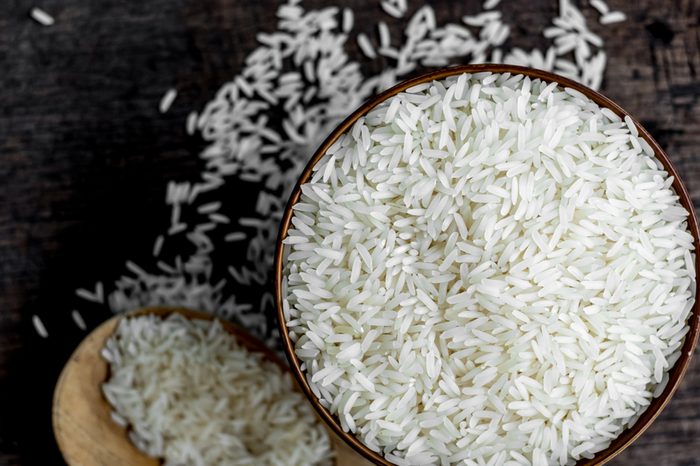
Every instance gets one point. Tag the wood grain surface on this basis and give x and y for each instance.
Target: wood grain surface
(85, 156)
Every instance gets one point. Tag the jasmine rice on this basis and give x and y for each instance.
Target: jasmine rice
(488, 269)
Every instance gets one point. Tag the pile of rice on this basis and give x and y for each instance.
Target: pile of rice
(193, 397)
(488, 269)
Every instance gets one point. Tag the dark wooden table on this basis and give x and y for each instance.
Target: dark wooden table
(85, 155)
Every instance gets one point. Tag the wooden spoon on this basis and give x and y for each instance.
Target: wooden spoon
(84, 429)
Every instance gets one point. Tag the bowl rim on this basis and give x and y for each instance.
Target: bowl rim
(675, 374)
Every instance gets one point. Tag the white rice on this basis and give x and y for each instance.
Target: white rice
(235, 236)
(488, 267)
(366, 46)
(167, 100)
(348, 20)
(394, 8)
(191, 395)
(191, 124)
(39, 327)
(613, 17)
(600, 6)
(158, 245)
(41, 17)
(96, 297)
(384, 34)
(78, 319)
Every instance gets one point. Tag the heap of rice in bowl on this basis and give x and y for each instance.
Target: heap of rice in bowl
(488, 269)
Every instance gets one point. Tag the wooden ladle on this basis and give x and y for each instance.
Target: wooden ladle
(82, 424)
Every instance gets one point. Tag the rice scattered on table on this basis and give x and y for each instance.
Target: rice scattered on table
(41, 17)
(297, 83)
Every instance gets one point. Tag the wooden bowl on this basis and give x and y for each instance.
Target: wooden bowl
(676, 373)
(82, 424)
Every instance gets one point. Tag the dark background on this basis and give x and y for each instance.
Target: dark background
(85, 158)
